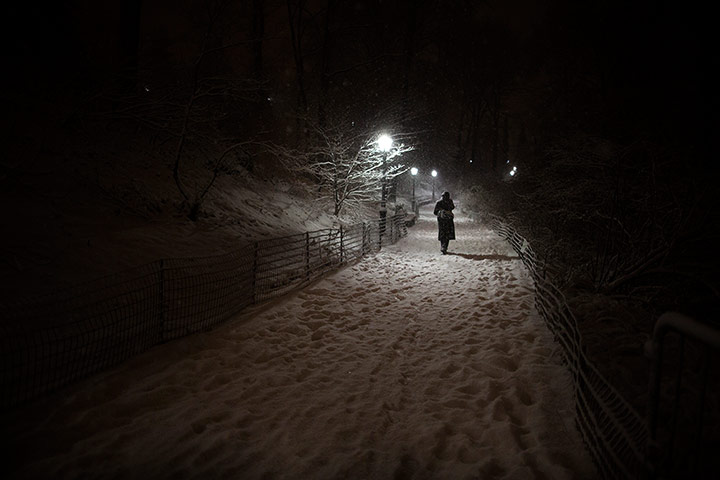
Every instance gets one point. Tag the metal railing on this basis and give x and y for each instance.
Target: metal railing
(49, 341)
(683, 414)
(612, 429)
(680, 436)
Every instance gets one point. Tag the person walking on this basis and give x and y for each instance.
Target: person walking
(446, 225)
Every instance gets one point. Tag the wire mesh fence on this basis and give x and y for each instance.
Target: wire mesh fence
(47, 342)
(614, 432)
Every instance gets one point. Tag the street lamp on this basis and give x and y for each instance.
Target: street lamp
(434, 175)
(384, 143)
(414, 172)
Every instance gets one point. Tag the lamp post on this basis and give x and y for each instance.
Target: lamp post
(384, 143)
(414, 172)
(434, 175)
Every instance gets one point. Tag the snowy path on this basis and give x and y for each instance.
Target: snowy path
(408, 364)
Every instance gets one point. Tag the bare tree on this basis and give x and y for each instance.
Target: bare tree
(611, 218)
(258, 31)
(347, 164)
(197, 114)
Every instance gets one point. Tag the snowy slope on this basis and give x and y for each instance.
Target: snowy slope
(408, 364)
(48, 245)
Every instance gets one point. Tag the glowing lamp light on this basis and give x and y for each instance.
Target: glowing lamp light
(413, 171)
(384, 143)
(434, 173)
(513, 171)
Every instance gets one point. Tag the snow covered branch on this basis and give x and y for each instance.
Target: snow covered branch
(346, 162)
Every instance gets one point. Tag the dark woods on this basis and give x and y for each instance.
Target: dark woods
(603, 112)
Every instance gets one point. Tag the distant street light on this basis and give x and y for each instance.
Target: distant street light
(384, 143)
(414, 172)
(434, 175)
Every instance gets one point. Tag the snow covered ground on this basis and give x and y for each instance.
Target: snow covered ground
(408, 364)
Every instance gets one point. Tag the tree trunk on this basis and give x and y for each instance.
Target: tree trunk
(506, 139)
(295, 13)
(460, 152)
(474, 134)
(325, 65)
(130, 42)
(411, 27)
(495, 131)
(258, 32)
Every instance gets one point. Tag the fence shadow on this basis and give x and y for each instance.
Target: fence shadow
(481, 257)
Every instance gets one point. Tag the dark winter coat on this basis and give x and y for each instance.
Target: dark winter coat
(446, 225)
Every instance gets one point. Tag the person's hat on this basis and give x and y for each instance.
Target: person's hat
(446, 194)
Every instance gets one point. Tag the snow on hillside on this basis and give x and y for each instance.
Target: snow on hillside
(65, 228)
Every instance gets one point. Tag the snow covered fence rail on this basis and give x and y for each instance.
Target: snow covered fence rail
(614, 432)
(49, 341)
